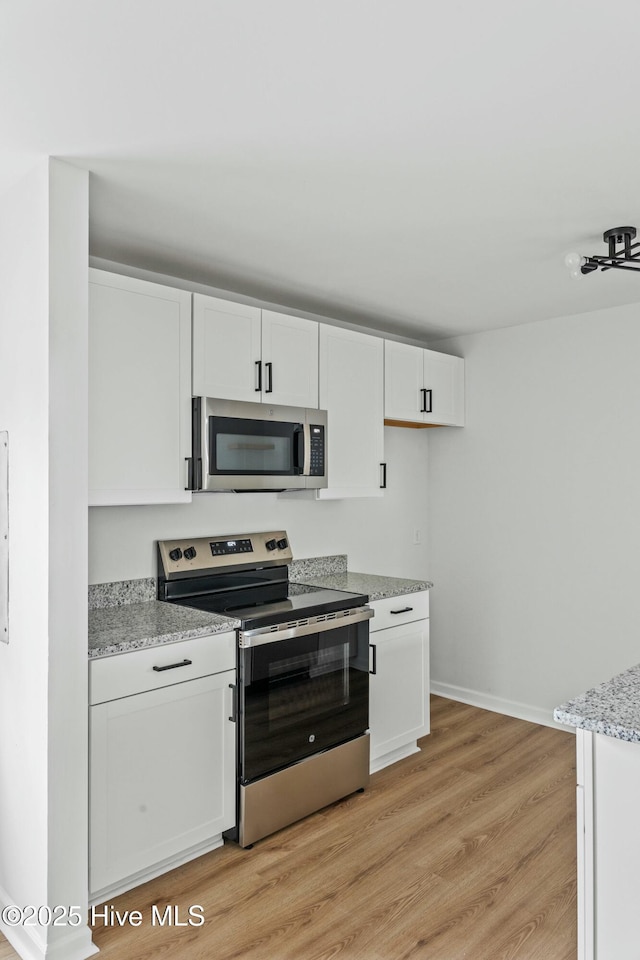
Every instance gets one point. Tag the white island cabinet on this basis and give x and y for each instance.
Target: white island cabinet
(607, 722)
(139, 391)
(399, 681)
(608, 775)
(241, 352)
(162, 759)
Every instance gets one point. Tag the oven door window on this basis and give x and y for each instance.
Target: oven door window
(301, 696)
(253, 448)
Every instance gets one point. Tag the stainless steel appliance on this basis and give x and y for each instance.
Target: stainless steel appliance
(256, 446)
(303, 674)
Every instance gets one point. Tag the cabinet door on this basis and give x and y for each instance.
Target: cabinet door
(139, 391)
(162, 775)
(351, 390)
(444, 383)
(403, 381)
(398, 711)
(290, 360)
(226, 349)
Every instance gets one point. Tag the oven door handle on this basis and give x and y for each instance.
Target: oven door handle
(301, 628)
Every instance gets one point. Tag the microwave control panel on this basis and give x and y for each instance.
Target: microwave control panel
(316, 432)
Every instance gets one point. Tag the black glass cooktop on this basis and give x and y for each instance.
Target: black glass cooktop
(301, 601)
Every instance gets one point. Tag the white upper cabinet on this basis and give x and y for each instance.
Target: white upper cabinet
(226, 349)
(351, 390)
(244, 353)
(139, 391)
(444, 389)
(423, 386)
(289, 360)
(403, 381)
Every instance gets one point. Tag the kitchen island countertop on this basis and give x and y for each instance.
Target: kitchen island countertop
(612, 708)
(132, 626)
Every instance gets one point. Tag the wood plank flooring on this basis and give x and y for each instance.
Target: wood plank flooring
(465, 850)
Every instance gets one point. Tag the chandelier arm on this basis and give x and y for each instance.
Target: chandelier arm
(608, 263)
(633, 266)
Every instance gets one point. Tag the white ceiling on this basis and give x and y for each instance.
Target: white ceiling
(417, 166)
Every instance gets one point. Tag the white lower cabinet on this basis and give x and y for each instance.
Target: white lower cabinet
(399, 680)
(162, 763)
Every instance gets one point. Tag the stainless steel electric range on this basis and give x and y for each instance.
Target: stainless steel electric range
(303, 674)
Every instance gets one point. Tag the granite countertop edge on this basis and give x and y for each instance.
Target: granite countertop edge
(612, 708)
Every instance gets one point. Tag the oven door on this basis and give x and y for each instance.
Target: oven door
(304, 693)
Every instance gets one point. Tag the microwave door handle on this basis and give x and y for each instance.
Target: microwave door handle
(298, 449)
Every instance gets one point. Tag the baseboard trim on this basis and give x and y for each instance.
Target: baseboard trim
(143, 876)
(393, 756)
(70, 943)
(512, 708)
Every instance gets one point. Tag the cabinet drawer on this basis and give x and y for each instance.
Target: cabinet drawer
(398, 610)
(129, 673)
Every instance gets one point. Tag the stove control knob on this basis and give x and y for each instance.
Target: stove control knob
(282, 544)
(175, 554)
(190, 553)
(271, 544)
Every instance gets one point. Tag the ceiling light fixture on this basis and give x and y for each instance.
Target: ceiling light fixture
(619, 257)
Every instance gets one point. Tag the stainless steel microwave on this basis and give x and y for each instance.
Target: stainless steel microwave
(257, 446)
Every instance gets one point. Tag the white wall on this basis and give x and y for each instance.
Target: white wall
(43, 677)
(24, 398)
(534, 514)
(376, 534)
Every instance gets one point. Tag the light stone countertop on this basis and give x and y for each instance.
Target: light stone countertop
(124, 617)
(374, 586)
(132, 626)
(612, 708)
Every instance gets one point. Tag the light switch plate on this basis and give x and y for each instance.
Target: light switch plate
(4, 536)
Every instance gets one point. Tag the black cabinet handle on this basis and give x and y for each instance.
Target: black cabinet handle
(383, 485)
(269, 367)
(259, 366)
(404, 610)
(372, 646)
(423, 394)
(234, 704)
(172, 666)
(429, 394)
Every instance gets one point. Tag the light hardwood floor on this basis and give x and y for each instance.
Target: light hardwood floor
(465, 850)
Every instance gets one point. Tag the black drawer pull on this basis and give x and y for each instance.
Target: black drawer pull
(404, 610)
(172, 666)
